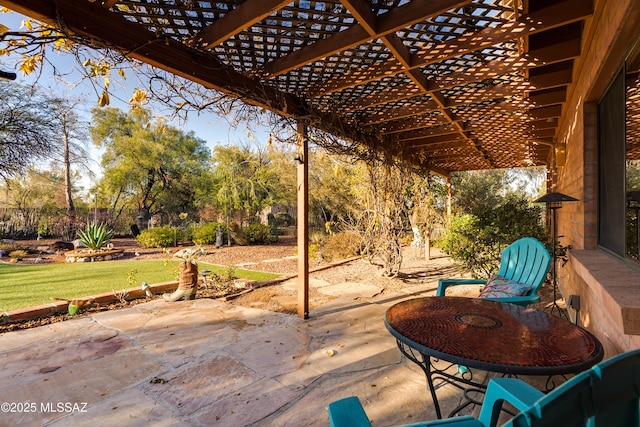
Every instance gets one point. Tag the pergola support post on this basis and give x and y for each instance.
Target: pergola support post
(303, 222)
(448, 200)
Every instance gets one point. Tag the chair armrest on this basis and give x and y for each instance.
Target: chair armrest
(513, 390)
(461, 421)
(522, 301)
(348, 412)
(443, 284)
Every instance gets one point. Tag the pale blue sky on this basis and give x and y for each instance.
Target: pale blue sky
(207, 126)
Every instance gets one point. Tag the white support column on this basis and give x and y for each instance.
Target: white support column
(303, 222)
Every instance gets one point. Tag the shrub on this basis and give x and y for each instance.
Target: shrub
(205, 234)
(476, 241)
(18, 254)
(341, 246)
(8, 247)
(259, 234)
(159, 237)
(283, 219)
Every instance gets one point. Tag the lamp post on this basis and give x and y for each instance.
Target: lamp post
(554, 201)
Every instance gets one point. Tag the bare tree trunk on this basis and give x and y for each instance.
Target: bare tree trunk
(71, 210)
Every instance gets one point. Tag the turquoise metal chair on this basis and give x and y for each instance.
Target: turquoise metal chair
(526, 261)
(607, 395)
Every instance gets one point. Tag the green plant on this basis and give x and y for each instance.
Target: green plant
(131, 277)
(205, 234)
(476, 241)
(159, 237)
(96, 236)
(43, 230)
(283, 219)
(225, 282)
(259, 234)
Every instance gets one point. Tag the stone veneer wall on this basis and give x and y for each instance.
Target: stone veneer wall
(606, 40)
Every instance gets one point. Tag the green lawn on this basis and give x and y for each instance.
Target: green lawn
(29, 285)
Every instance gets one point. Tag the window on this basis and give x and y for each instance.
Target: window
(632, 140)
(619, 162)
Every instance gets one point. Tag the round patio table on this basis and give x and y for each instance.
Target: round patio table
(490, 336)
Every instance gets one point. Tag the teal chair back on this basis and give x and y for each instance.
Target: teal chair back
(606, 395)
(526, 261)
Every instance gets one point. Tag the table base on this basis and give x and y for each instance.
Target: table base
(459, 377)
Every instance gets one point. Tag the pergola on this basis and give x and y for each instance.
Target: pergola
(444, 85)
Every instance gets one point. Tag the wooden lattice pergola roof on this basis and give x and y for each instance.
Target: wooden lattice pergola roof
(445, 84)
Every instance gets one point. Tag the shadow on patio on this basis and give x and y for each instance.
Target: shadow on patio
(206, 362)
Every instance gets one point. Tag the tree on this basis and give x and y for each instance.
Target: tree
(427, 207)
(148, 165)
(72, 137)
(489, 215)
(27, 131)
(332, 182)
(245, 181)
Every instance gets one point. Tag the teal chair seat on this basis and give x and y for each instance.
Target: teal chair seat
(607, 395)
(526, 261)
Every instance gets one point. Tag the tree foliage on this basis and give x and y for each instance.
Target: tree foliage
(334, 184)
(246, 181)
(147, 164)
(489, 215)
(27, 131)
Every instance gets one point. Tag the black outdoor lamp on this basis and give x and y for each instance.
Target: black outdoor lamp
(5, 75)
(554, 202)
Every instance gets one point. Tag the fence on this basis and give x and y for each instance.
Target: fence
(30, 223)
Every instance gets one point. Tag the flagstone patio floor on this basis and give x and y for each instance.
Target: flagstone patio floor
(211, 363)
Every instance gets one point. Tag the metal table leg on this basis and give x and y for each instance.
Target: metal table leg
(433, 373)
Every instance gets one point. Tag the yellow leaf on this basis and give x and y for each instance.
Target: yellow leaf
(3, 29)
(86, 63)
(106, 82)
(138, 97)
(5, 10)
(29, 64)
(59, 44)
(104, 99)
(26, 23)
(121, 73)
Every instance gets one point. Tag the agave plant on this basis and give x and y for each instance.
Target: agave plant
(96, 236)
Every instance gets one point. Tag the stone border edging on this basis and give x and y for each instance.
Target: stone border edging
(58, 307)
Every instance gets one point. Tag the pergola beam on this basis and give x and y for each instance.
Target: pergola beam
(427, 70)
(551, 17)
(357, 34)
(115, 32)
(235, 21)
